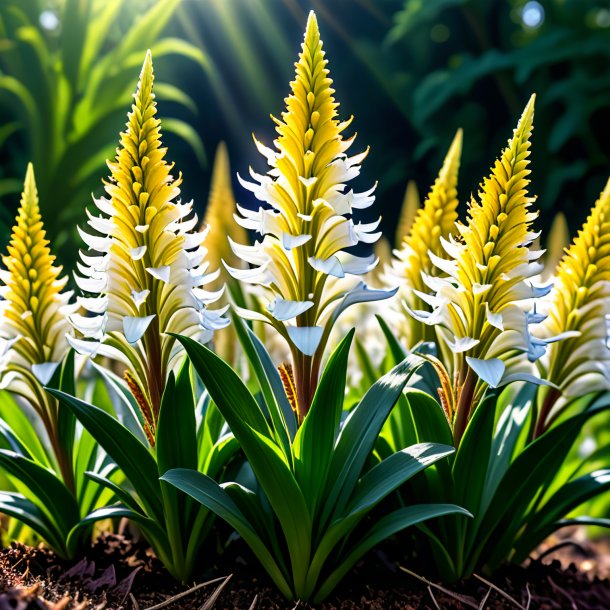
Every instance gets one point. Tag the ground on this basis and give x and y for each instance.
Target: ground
(120, 573)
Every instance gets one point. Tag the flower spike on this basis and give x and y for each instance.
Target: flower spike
(433, 222)
(147, 271)
(477, 296)
(305, 220)
(33, 324)
(579, 309)
(33, 306)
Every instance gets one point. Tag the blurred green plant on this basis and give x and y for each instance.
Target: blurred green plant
(65, 79)
(492, 50)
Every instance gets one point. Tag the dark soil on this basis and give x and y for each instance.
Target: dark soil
(121, 574)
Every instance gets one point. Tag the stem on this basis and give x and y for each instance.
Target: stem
(464, 407)
(548, 404)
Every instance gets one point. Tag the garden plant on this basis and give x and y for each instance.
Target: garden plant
(264, 376)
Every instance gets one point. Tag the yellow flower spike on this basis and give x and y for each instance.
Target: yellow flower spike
(33, 306)
(219, 217)
(476, 303)
(433, 222)
(33, 323)
(146, 267)
(557, 242)
(408, 212)
(579, 310)
(306, 221)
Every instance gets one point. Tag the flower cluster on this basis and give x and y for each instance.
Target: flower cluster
(579, 309)
(301, 264)
(146, 267)
(432, 223)
(34, 305)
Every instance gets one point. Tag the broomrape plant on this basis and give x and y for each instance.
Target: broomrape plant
(316, 485)
(145, 274)
(52, 493)
(301, 264)
(512, 446)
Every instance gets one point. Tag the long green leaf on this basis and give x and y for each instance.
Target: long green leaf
(215, 498)
(132, 457)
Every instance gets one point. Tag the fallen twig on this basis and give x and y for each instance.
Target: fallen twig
(209, 604)
(558, 589)
(502, 593)
(174, 598)
(465, 599)
(433, 598)
(529, 596)
(134, 602)
(254, 602)
(484, 600)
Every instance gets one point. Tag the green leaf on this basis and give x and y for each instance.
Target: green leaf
(43, 488)
(384, 528)
(215, 498)
(390, 474)
(132, 457)
(359, 433)
(225, 387)
(176, 428)
(272, 388)
(315, 439)
(187, 133)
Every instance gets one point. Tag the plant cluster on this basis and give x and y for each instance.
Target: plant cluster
(116, 404)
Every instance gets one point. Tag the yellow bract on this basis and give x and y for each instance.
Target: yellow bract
(580, 304)
(32, 313)
(147, 264)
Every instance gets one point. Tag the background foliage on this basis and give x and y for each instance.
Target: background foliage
(413, 71)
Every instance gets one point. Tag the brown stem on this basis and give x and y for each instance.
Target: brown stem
(549, 402)
(464, 407)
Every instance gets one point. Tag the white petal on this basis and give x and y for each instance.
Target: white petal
(135, 327)
(137, 253)
(361, 293)
(160, 273)
(462, 344)
(490, 371)
(90, 326)
(495, 319)
(308, 181)
(93, 304)
(283, 310)
(306, 338)
(139, 297)
(357, 265)
(85, 348)
(213, 320)
(294, 241)
(142, 228)
(330, 266)
(43, 372)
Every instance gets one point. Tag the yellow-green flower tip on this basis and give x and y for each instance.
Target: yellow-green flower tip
(307, 224)
(579, 309)
(33, 305)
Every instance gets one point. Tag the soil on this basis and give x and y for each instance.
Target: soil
(121, 573)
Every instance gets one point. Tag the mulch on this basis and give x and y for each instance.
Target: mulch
(120, 573)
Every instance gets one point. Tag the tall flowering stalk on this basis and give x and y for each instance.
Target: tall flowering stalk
(33, 322)
(476, 305)
(579, 309)
(307, 223)
(221, 227)
(408, 212)
(146, 266)
(432, 223)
